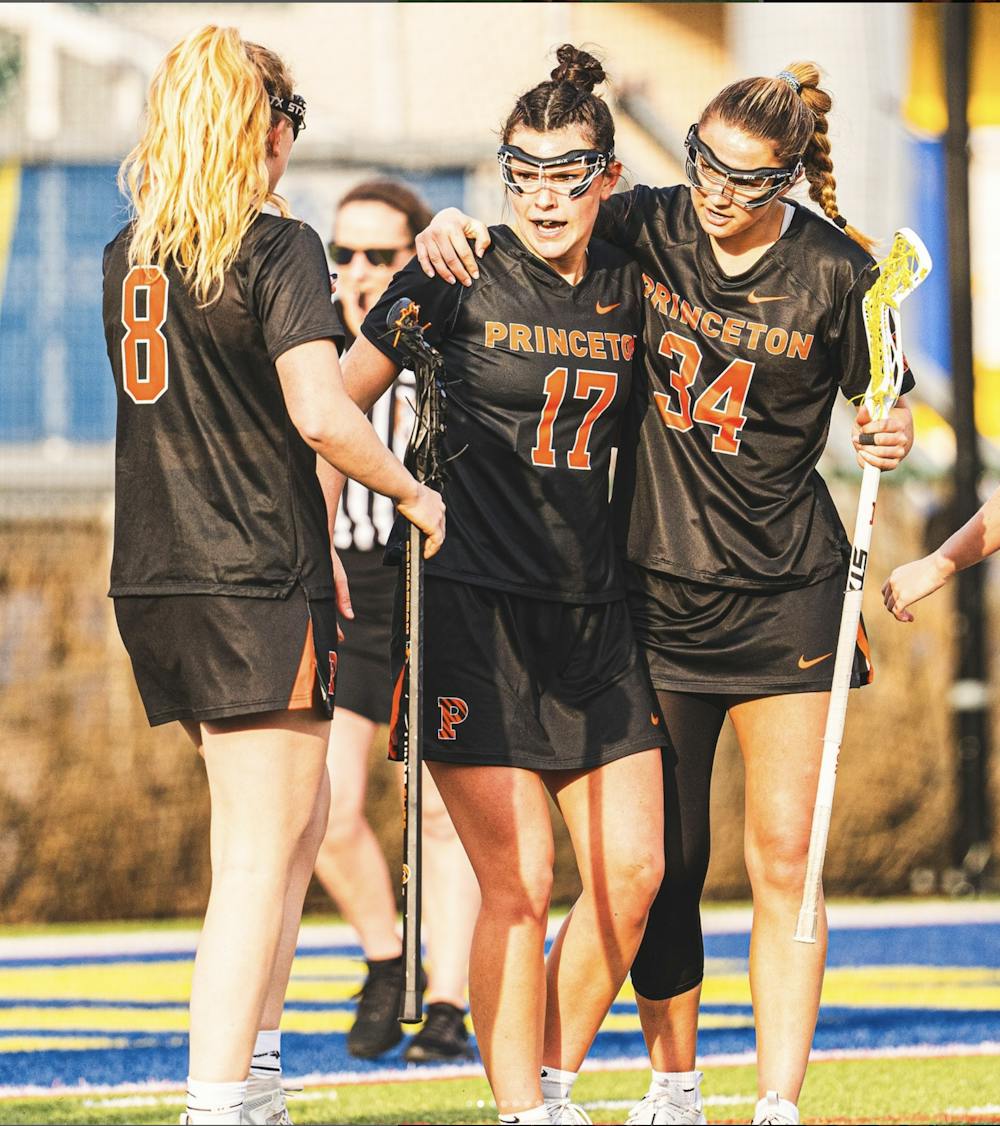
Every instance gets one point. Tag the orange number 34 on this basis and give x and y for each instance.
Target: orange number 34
(719, 406)
(145, 362)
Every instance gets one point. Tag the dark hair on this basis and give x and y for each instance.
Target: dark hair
(566, 99)
(395, 194)
(795, 121)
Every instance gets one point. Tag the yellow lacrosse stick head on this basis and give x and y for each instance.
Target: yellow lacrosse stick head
(900, 272)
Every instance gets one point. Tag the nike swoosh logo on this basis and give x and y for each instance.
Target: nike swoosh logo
(756, 299)
(606, 308)
(654, 719)
(804, 664)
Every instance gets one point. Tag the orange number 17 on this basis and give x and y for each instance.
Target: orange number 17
(605, 383)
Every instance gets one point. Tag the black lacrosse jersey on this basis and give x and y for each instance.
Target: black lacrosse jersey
(539, 373)
(215, 491)
(741, 374)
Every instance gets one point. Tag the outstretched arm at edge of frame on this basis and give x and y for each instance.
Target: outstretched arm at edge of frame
(972, 543)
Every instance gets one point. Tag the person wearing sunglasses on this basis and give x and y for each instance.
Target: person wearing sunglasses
(373, 234)
(737, 559)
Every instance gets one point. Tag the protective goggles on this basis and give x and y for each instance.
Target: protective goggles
(570, 174)
(294, 108)
(376, 255)
(747, 187)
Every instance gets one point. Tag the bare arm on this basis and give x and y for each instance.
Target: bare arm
(328, 420)
(332, 482)
(973, 542)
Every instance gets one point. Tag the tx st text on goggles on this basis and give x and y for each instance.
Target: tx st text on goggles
(569, 174)
(748, 187)
(294, 108)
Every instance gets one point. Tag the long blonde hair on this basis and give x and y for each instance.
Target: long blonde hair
(795, 121)
(198, 177)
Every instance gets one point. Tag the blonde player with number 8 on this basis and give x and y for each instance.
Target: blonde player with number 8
(221, 338)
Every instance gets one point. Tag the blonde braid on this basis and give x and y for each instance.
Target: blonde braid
(816, 159)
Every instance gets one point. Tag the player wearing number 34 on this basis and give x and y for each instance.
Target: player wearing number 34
(737, 560)
(222, 341)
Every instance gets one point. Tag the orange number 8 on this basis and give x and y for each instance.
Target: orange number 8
(145, 364)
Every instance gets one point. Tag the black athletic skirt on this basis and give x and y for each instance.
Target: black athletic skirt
(206, 656)
(517, 681)
(364, 684)
(699, 638)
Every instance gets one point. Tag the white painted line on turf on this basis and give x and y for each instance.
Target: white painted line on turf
(421, 1072)
(111, 943)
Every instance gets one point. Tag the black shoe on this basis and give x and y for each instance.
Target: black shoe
(443, 1036)
(376, 1025)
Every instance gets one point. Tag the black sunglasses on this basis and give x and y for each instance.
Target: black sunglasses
(376, 255)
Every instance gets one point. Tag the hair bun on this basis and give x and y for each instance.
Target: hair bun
(577, 67)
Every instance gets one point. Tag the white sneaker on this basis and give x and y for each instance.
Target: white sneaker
(265, 1104)
(774, 1111)
(670, 1104)
(564, 1113)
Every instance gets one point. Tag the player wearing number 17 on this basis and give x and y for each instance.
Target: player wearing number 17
(222, 341)
(532, 678)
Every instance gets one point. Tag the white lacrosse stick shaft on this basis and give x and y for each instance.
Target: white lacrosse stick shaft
(843, 664)
(902, 271)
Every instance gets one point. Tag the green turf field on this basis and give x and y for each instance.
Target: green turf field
(847, 1091)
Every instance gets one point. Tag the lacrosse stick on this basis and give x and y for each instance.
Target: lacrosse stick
(905, 267)
(423, 459)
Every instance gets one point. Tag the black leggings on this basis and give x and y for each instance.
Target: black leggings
(671, 957)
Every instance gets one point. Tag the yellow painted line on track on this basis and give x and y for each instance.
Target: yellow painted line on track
(60, 1043)
(313, 979)
(81, 1019)
(897, 987)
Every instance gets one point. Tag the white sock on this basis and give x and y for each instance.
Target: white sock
(217, 1103)
(683, 1082)
(537, 1115)
(557, 1084)
(686, 1080)
(266, 1060)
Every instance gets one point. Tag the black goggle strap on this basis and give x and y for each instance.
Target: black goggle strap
(594, 160)
(294, 108)
(779, 177)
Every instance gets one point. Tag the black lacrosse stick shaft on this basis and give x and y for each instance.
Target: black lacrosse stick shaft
(424, 459)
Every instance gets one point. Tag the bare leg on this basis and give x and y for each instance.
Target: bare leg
(298, 884)
(620, 859)
(670, 1029)
(264, 773)
(502, 817)
(451, 901)
(781, 739)
(350, 865)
